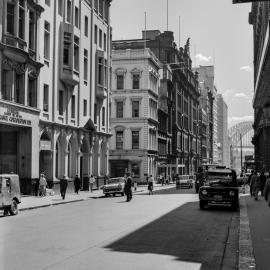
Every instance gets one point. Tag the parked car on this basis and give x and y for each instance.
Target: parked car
(114, 186)
(10, 194)
(184, 181)
(220, 187)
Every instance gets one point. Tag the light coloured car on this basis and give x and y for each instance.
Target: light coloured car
(184, 181)
(114, 186)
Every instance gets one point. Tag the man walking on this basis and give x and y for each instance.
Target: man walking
(77, 183)
(128, 185)
(255, 185)
(63, 186)
(91, 182)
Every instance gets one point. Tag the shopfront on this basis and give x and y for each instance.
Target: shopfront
(19, 143)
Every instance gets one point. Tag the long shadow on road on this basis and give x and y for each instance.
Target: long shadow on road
(186, 233)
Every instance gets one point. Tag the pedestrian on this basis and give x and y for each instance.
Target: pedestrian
(266, 191)
(150, 184)
(63, 186)
(42, 185)
(255, 185)
(92, 180)
(249, 182)
(135, 185)
(77, 183)
(128, 184)
(263, 180)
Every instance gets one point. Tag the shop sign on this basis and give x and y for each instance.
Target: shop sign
(45, 145)
(13, 116)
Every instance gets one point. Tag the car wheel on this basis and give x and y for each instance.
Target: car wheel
(13, 209)
(123, 194)
(202, 205)
(113, 194)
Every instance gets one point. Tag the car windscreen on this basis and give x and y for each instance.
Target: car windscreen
(219, 177)
(115, 180)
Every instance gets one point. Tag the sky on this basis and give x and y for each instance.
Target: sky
(219, 35)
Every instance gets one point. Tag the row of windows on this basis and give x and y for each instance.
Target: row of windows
(13, 88)
(135, 111)
(120, 81)
(135, 139)
(61, 105)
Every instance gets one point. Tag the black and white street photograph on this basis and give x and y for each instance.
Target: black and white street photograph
(134, 135)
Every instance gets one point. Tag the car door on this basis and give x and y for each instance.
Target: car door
(6, 190)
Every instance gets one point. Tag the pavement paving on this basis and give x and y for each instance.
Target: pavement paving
(33, 202)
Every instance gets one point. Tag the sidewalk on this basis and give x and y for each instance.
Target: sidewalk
(32, 202)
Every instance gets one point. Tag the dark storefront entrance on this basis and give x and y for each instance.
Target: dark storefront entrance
(118, 168)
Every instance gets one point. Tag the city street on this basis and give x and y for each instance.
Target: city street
(162, 231)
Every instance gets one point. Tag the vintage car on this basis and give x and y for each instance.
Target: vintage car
(114, 186)
(184, 181)
(10, 195)
(220, 187)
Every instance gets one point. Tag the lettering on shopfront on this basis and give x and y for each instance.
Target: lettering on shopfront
(12, 115)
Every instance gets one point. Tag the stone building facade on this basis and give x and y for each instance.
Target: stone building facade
(134, 110)
(55, 63)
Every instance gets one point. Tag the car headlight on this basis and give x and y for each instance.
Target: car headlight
(204, 192)
(231, 193)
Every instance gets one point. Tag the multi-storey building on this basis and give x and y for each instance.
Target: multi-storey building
(185, 100)
(222, 133)
(134, 113)
(259, 18)
(203, 129)
(208, 103)
(55, 62)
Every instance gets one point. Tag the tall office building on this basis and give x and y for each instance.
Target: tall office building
(55, 62)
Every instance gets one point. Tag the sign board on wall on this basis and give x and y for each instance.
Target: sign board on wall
(12, 115)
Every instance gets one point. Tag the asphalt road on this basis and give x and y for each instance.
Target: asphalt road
(161, 231)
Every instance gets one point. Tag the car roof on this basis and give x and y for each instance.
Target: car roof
(220, 170)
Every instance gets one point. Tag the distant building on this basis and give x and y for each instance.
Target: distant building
(222, 131)
(208, 102)
(134, 110)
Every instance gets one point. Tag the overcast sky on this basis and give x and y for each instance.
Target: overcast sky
(219, 33)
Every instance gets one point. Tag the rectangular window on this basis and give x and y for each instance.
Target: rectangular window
(32, 92)
(95, 113)
(69, 11)
(119, 109)
(60, 7)
(77, 23)
(95, 38)
(10, 18)
(84, 107)
(100, 38)
(21, 18)
(86, 26)
(46, 40)
(119, 82)
(136, 81)
(73, 106)
(100, 71)
(101, 7)
(96, 4)
(19, 88)
(135, 108)
(85, 64)
(135, 139)
(66, 52)
(32, 30)
(61, 102)
(46, 98)
(76, 52)
(119, 139)
(105, 42)
(103, 116)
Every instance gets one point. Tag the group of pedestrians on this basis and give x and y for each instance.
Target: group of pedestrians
(259, 183)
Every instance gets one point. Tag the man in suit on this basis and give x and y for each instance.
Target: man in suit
(128, 187)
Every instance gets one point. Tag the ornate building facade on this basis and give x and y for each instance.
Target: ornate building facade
(55, 63)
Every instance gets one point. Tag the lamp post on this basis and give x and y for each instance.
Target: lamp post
(241, 148)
